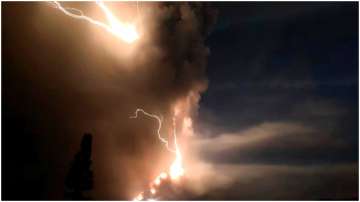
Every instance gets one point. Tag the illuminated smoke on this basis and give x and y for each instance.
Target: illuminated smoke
(175, 54)
(176, 169)
(125, 31)
(158, 119)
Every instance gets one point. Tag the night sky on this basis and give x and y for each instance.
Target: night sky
(273, 65)
(278, 121)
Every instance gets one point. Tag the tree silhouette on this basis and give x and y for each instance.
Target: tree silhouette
(80, 176)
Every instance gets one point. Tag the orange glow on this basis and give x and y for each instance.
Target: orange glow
(139, 197)
(176, 169)
(163, 175)
(157, 181)
(125, 31)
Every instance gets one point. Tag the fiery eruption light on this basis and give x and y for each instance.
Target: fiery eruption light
(190, 26)
(176, 169)
(126, 31)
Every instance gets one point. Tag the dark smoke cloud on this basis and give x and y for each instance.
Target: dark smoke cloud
(59, 81)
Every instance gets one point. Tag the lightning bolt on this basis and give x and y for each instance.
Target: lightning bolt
(158, 119)
(125, 31)
(129, 34)
(176, 169)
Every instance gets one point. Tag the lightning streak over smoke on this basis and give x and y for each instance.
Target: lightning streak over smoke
(159, 127)
(176, 169)
(125, 31)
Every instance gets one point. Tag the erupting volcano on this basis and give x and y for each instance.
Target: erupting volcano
(179, 100)
(174, 172)
(192, 72)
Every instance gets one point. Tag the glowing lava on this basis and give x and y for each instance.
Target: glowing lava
(126, 31)
(176, 169)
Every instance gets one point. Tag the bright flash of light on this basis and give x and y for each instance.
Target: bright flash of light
(140, 197)
(126, 31)
(176, 169)
(163, 175)
(157, 181)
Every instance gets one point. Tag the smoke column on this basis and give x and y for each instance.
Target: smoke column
(78, 78)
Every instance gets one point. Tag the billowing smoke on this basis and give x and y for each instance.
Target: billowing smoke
(68, 77)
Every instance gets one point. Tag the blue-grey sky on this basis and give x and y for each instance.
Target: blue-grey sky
(283, 92)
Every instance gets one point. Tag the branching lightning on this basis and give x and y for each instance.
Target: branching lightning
(125, 31)
(176, 169)
(158, 119)
(128, 33)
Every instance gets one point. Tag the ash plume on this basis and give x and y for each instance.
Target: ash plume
(81, 79)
